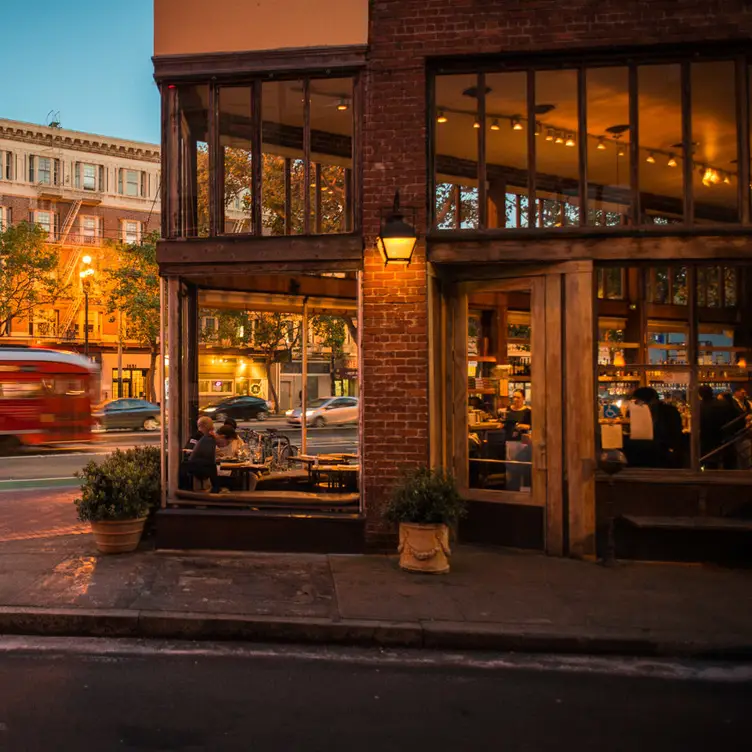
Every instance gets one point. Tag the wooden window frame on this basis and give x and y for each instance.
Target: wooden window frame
(172, 192)
(632, 59)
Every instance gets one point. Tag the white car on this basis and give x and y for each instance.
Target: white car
(326, 411)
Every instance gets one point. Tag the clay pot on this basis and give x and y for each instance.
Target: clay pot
(424, 548)
(118, 536)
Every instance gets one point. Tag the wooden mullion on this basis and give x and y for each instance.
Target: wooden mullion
(634, 144)
(482, 182)
(288, 195)
(348, 219)
(582, 143)
(431, 137)
(307, 156)
(531, 155)
(216, 189)
(694, 397)
(356, 178)
(457, 206)
(688, 165)
(172, 160)
(742, 134)
(256, 158)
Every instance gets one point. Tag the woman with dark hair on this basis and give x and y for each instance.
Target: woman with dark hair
(519, 418)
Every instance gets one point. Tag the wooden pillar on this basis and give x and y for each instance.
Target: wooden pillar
(173, 373)
(304, 387)
(162, 396)
(288, 196)
(579, 399)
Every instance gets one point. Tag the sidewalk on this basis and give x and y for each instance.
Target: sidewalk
(54, 582)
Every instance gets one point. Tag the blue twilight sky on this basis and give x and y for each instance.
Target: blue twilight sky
(88, 59)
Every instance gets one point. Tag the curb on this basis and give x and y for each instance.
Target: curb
(435, 635)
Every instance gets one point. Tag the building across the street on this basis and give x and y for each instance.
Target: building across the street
(83, 189)
(578, 179)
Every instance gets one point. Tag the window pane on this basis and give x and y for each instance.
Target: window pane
(235, 143)
(499, 392)
(456, 152)
(557, 161)
(283, 169)
(714, 140)
(194, 178)
(608, 146)
(506, 147)
(660, 127)
(331, 155)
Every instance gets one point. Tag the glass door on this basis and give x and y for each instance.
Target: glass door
(501, 427)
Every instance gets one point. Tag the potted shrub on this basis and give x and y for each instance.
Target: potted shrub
(425, 503)
(117, 496)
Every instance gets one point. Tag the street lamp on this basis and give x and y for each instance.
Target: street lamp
(86, 274)
(397, 238)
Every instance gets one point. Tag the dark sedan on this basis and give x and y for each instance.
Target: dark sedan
(238, 408)
(127, 413)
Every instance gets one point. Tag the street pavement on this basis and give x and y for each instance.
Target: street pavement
(34, 467)
(104, 695)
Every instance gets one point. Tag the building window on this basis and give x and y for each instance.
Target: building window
(90, 230)
(44, 170)
(488, 176)
(300, 182)
(47, 221)
(131, 231)
(129, 182)
(673, 358)
(89, 177)
(4, 218)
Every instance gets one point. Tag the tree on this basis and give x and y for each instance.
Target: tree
(133, 282)
(27, 273)
(331, 333)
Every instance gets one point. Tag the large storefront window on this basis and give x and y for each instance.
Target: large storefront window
(648, 144)
(267, 158)
(278, 374)
(673, 374)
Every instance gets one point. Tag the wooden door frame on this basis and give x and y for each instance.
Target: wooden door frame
(546, 316)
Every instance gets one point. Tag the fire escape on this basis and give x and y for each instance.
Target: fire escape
(68, 274)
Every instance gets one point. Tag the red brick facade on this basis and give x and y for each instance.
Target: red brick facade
(402, 35)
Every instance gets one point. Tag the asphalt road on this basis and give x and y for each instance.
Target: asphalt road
(50, 466)
(185, 697)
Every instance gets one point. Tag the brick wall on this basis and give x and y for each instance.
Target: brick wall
(402, 34)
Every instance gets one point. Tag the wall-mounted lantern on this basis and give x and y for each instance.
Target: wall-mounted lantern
(397, 238)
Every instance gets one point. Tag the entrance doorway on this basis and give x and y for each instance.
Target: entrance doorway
(504, 397)
(133, 384)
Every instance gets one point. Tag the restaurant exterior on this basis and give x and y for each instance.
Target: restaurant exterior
(579, 182)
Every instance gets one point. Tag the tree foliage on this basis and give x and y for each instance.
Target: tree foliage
(133, 290)
(28, 277)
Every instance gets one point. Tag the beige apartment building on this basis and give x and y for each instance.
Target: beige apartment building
(84, 189)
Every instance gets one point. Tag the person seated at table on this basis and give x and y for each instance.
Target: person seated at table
(519, 418)
(202, 464)
(232, 423)
(229, 443)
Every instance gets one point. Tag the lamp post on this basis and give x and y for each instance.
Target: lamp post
(86, 274)
(397, 238)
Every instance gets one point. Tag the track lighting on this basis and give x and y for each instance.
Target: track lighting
(441, 117)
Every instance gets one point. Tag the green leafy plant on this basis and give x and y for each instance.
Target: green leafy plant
(125, 486)
(425, 496)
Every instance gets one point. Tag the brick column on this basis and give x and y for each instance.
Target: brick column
(394, 298)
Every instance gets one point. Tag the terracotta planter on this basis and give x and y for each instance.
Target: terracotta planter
(424, 548)
(118, 536)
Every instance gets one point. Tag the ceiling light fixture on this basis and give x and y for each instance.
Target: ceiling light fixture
(516, 124)
(342, 106)
(559, 138)
(476, 124)
(726, 178)
(550, 134)
(495, 125)
(671, 161)
(601, 144)
(650, 158)
(441, 117)
(538, 128)
(570, 140)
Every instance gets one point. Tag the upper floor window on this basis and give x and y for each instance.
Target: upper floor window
(600, 146)
(133, 183)
(44, 170)
(6, 165)
(90, 230)
(285, 158)
(47, 221)
(131, 231)
(90, 177)
(4, 218)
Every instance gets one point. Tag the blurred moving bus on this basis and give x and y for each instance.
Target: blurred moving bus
(45, 396)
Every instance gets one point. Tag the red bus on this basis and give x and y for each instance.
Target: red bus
(45, 396)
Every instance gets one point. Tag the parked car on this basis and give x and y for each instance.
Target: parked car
(326, 411)
(238, 408)
(127, 413)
